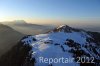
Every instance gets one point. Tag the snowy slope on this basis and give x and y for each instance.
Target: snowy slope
(62, 42)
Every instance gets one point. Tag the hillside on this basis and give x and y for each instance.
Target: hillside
(8, 38)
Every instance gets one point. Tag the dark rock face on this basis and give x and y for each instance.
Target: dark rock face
(77, 51)
(95, 36)
(19, 55)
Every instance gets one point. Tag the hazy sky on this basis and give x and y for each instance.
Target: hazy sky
(43, 11)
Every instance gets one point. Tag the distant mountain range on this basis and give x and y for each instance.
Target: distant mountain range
(28, 28)
(63, 41)
(24, 27)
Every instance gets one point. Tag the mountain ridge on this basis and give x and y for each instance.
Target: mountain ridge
(67, 28)
(8, 38)
(66, 42)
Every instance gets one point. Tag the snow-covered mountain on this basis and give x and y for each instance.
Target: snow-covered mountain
(65, 46)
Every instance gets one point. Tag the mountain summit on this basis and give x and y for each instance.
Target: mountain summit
(66, 28)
